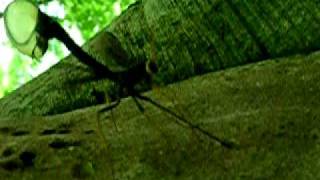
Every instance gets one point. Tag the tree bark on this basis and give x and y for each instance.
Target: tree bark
(50, 127)
(270, 109)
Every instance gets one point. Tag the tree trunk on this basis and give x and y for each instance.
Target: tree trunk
(270, 109)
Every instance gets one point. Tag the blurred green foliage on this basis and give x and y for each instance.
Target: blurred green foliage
(89, 16)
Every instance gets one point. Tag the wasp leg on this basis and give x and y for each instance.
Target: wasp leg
(139, 105)
(114, 121)
(107, 147)
(224, 143)
(141, 108)
(109, 107)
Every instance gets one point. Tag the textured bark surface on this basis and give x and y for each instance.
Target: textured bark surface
(186, 37)
(271, 109)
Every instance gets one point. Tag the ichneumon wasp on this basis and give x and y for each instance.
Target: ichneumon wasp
(42, 28)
